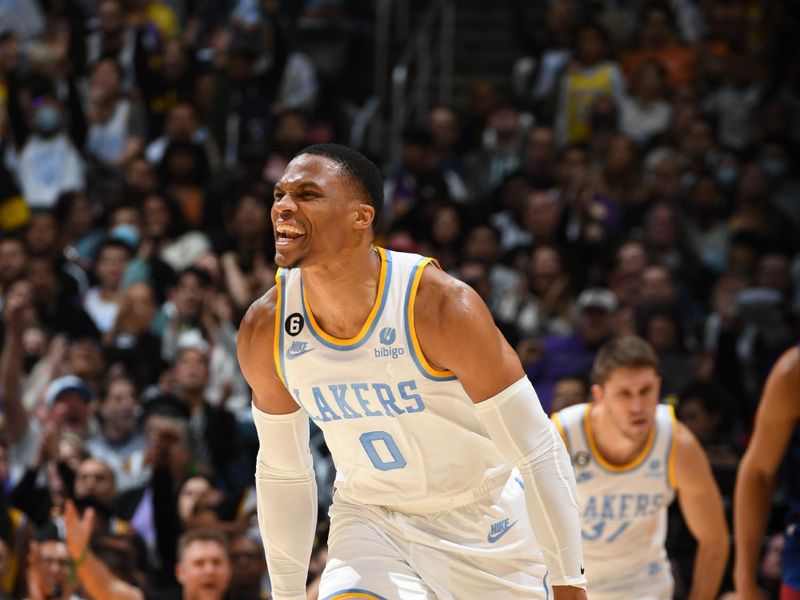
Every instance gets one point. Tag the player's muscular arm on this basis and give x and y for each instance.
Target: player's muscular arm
(285, 485)
(778, 416)
(701, 505)
(255, 350)
(457, 332)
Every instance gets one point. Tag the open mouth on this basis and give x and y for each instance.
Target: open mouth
(286, 233)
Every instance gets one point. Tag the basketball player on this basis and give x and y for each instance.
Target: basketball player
(776, 435)
(386, 353)
(631, 457)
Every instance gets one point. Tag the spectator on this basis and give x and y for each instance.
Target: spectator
(119, 443)
(501, 149)
(562, 356)
(544, 307)
(539, 162)
(13, 261)
(734, 104)
(130, 343)
(203, 567)
(182, 124)
(49, 162)
(645, 114)
(164, 233)
(246, 267)
(707, 232)
(116, 127)
(102, 301)
(590, 76)
(704, 408)
(249, 568)
(213, 439)
(416, 185)
(569, 391)
(184, 170)
(658, 41)
(113, 38)
(48, 571)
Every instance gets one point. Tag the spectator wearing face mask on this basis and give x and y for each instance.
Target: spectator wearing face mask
(49, 162)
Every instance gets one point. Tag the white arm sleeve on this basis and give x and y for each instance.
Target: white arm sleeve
(287, 500)
(515, 421)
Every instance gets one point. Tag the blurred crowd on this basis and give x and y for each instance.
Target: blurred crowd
(635, 173)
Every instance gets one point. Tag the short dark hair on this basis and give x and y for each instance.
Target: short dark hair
(202, 535)
(627, 351)
(201, 274)
(111, 242)
(358, 168)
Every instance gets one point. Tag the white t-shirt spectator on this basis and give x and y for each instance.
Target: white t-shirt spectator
(48, 167)
(643, 121)
(103, 312)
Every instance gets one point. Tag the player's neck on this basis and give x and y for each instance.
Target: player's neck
(613, 446)
(342, 292)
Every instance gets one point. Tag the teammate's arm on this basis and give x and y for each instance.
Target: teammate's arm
(777, 417)
(285, 484)
(702, 509)
(457, 332)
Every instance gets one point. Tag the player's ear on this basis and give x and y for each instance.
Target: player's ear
(597, 392)
(364, 216)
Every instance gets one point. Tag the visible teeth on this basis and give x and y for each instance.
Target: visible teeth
(285, 229)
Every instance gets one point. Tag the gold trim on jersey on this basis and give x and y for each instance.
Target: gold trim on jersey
(556, 419)
(638, 460)
(673, 447)
(276, 342)
(412, 328)
(376, 308)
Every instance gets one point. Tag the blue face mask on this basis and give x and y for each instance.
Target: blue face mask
(773, 167)
(726, 174)
(47, 120)
(127, 234)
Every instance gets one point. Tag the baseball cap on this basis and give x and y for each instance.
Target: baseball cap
(68, 383)
(597, 297)
(192, 339)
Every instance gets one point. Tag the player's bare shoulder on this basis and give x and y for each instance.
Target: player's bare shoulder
(443, 300)
(257, 331)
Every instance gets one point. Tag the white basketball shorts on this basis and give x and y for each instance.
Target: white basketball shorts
(485, 550)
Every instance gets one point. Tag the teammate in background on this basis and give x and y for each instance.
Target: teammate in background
(631, 456)
(776, 435)
(387, 354)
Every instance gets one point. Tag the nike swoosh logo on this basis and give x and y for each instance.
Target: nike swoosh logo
(493, 538)
(581, 569)
(290, 355)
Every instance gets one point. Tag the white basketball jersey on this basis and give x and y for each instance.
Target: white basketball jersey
(402, 434)
(623, 507)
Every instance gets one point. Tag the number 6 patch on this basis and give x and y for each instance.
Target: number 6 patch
(294, 324)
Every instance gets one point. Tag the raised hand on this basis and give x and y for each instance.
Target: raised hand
(79, 530)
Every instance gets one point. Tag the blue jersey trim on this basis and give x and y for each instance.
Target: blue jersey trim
(372, 326)
(667, 455)
(342, 594)
(420, 265)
